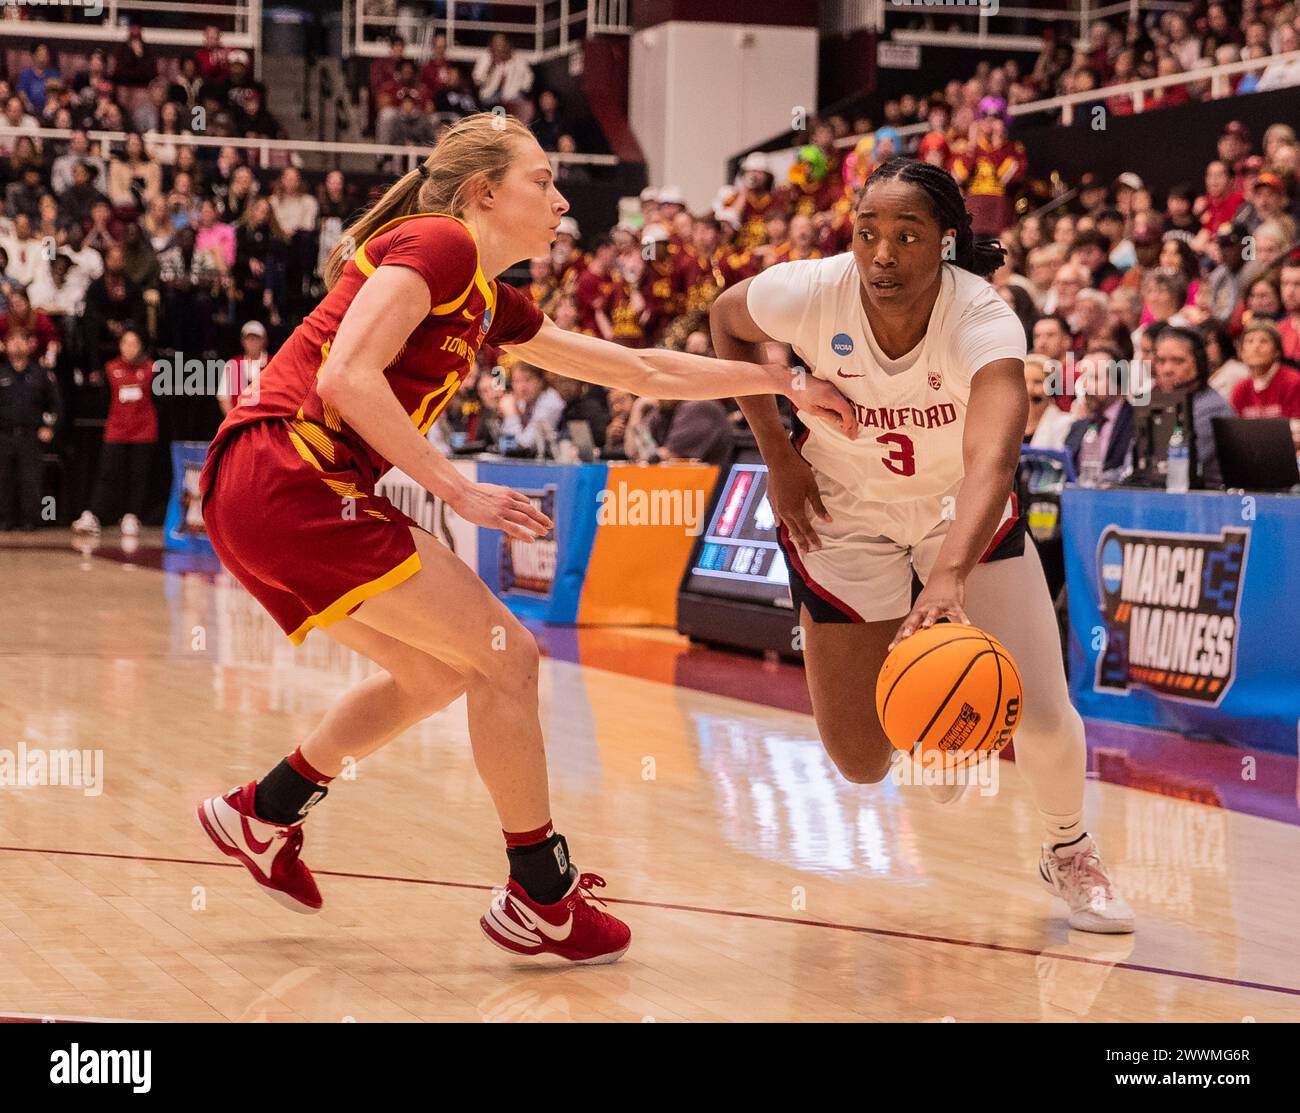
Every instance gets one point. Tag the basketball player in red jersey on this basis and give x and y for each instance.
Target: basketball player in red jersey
(934, 362)
(290, 506)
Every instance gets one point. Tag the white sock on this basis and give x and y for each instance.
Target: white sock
(1063, 829)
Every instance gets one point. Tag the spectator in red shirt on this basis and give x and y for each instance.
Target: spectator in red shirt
(434, 75)
(661, 281)
(384, 70)
(404, 86)
(1233, 148)
(1272, 390)
(129, 439)
(593, 289)
(1169, 96)
(214, 64)
(42, 335)
(1220, 202)
(567, 258)
(1289, 326)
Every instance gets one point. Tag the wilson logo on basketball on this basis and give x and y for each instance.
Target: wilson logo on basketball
(1171, 603)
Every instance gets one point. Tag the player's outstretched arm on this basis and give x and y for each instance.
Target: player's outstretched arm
(386, 310)
(663, 374)
(791, 484)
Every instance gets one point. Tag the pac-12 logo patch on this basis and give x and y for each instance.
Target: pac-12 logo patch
(842, 344)
(934, 379)
(1171, 603)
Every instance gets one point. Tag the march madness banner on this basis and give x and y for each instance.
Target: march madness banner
(1182, 611)
(544, 579)
(183, 528)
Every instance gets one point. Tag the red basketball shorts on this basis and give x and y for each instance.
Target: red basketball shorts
(304, 533)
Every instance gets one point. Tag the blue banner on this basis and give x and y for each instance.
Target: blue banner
(1184, 611)
(183, 528)
(543, 579)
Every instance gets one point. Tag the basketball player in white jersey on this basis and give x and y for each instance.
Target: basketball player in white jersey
(907, 326)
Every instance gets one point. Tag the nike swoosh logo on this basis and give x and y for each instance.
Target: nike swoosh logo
(468, 315)
(844, 376)
(257, 847)
(536, 923)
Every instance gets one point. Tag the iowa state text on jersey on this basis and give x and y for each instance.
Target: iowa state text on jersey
(1171, 603)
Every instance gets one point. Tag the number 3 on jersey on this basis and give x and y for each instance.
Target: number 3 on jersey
(901, 459)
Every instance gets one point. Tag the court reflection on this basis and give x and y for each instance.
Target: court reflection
(780, 797)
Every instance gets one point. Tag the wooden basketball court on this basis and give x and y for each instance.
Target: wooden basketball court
(759, 885)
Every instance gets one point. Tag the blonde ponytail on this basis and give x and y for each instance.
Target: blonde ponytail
(485, 143)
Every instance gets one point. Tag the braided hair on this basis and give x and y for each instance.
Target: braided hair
(980, 255)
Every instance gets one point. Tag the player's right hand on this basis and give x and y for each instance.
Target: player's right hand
(792, 491)
(494, 507)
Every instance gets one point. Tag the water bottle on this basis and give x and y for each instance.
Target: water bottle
(1090, 458)
(1178, 466)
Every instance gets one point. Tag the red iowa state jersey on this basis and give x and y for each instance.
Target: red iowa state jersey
(468, 310)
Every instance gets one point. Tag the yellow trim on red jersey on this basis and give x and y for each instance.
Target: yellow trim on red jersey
(315, 436)
(367, 268)
(345, 489)
(303, 450)
(422, 416)
(339, 609)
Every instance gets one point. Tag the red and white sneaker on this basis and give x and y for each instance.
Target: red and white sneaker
(573, 927)
(269, 850)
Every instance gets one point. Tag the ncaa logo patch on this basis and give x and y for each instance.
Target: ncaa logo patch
(842, 344)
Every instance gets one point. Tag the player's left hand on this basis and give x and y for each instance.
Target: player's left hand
(943, 597)
(818, 396)
(496, 507)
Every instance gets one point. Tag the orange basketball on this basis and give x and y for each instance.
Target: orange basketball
(951, 688)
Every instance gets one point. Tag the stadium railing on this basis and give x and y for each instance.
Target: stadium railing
(988, 19)
(1217, 77)
(555, 28)
(104, 21)
(268, 149)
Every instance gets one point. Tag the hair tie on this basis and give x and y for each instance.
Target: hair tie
(422, 170)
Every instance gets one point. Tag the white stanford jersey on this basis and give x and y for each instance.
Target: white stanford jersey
(911, 411)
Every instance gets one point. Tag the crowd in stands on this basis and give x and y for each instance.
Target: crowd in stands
(113, 256)
(112, 260)
(1113, 276)
(410, 103)
(1120, 51)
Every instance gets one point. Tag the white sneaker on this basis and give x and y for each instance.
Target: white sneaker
(130, 526)
(87, 523)
(1076, 875)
